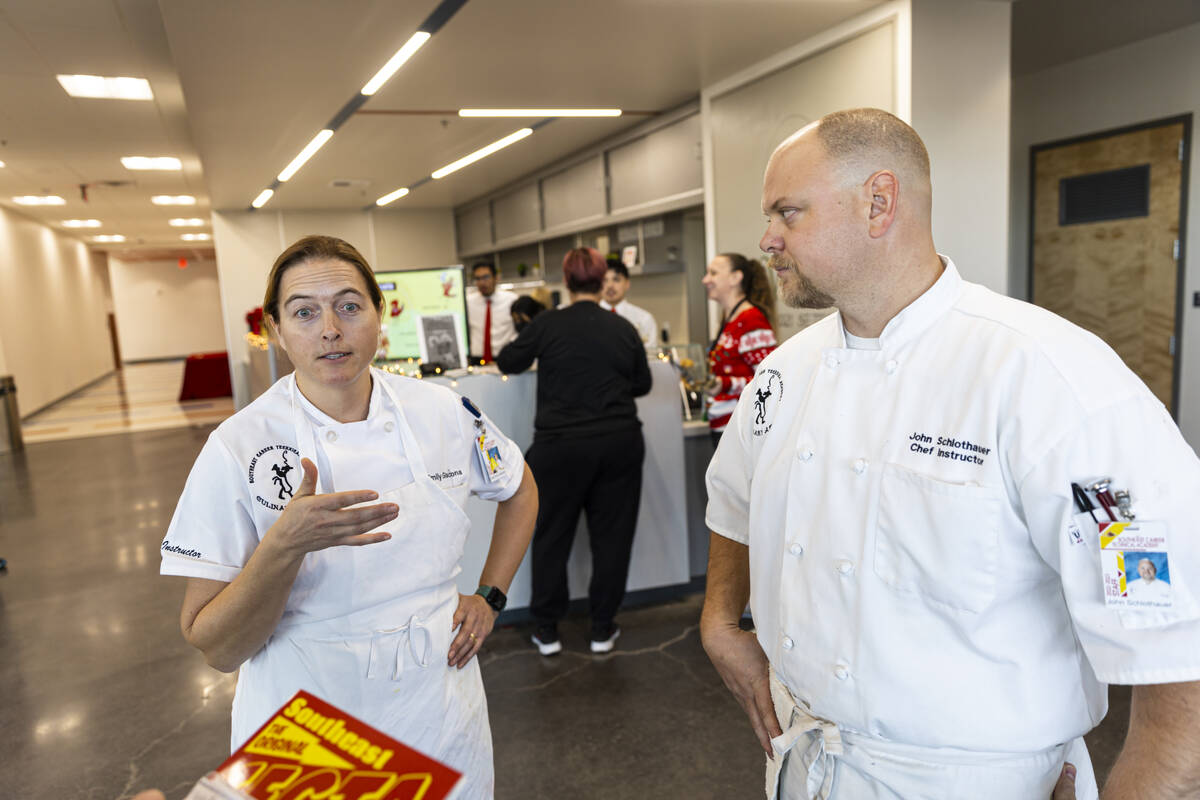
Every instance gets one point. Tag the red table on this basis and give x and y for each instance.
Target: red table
(206, 375)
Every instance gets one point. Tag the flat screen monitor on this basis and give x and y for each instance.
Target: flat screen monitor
(425, 315)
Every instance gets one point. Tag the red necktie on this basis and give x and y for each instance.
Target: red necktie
(487, 330)
(613, 309)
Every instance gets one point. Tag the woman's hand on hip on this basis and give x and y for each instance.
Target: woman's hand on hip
(473, 619)
(312, 521)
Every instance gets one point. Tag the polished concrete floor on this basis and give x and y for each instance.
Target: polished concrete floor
(100, 696)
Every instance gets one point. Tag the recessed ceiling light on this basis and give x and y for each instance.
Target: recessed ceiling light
(395, 62)
(389, 197)
(151, 162)
(108, 237)
(483, 152)
(539, 112)
(1, 163)
(262, 198)
(196, 237)
(39, 200)
(108, 88)
(81, 223)
(193, 222)
(173, 200)
(305, 154)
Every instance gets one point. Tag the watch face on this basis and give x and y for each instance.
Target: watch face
(496, 599)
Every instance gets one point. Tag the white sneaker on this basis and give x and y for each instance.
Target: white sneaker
(547, 641)
(606, 645)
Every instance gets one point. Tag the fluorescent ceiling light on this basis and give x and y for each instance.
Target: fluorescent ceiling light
(1, 163)
(396, 195)
(305, 154)
(262, 198)
(107, 88)
(193, 222)
(395, 62)
(195, 237)
(81, 223)
(147, 162)
(483, 152)
(39, 200)
(539, 112)
(114, 237)
(173, 200)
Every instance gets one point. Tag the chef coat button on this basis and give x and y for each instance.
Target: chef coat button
(796, 549)
(843, 566)
(860, 466)
(841, 673)
(805, 453)
(389, 426)
(330, 436)
(788, 644)
(891, 366)
(831, 361)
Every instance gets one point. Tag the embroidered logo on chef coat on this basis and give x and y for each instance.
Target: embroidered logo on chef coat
(273, 460)
(768, 393)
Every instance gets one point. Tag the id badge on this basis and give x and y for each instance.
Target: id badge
(488, 453)
(1134, 564)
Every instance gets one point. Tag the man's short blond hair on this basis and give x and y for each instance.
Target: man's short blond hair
(864, 140)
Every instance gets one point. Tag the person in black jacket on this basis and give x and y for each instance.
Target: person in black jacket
(587, 447)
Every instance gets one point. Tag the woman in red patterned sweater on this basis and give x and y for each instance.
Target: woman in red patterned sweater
(741, 287)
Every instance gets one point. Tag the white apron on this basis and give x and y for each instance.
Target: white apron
(385, 663)
(815, 760)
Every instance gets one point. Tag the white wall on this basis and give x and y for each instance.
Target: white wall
(163, 311)
(1141, 82)
(54, 329)
(247, 243)
(960, 106)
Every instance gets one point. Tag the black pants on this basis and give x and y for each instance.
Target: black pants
(602, 476)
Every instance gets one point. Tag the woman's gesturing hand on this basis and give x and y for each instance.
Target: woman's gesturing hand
(312, 521)
(474, 619)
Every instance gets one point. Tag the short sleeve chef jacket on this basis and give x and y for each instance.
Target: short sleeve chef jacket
(908, 516)
(235, 493)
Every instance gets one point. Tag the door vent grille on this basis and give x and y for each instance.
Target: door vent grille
(1115, 194)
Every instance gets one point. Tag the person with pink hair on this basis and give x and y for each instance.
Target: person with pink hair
(587, 447)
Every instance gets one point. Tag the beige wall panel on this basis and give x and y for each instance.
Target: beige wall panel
(474, 227)
(575, 194)
(663, 164)
(417, 238)
(517, 213)
(349, 225)
(54, 330)
(166, 312)
(748, 123)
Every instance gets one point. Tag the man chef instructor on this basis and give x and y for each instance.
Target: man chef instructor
(899, 515)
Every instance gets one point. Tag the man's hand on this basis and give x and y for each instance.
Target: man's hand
(1065, 788)
(474, 619)
(742, 664)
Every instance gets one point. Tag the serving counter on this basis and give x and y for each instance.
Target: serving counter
(660, 546)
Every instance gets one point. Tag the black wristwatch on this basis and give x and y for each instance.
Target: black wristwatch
(494, 597)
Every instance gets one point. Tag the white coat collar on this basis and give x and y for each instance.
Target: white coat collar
(322, 420)
(920, 314)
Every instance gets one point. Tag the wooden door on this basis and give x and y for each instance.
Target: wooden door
(1107, 241)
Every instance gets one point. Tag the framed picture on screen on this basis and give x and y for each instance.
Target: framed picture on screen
(425, 315)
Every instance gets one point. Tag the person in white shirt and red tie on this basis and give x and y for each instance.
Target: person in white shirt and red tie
(488, 313)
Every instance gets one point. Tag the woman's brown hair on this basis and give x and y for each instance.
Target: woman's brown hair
(755, 283)
(317, 248)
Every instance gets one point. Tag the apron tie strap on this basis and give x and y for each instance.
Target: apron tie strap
(386, 650)
(824, 742)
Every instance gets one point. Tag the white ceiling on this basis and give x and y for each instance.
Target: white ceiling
(242, 85)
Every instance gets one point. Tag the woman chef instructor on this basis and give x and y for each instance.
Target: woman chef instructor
(376, 628)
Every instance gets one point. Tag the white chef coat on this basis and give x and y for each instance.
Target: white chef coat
(365, 628)
(907, 510)
(1156, 591)
(642, 319)
(503, 330)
